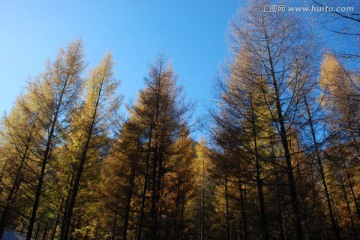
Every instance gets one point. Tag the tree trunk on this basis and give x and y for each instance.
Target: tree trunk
(158, 206)
(280, 210)
(348, 206)
(145, 186)
(285, 144)
(82, 160)
(154, 203)
(152, 126)
(156, 178)
(57, 219)
(227, 209)
(202, 218)
(114, 228)
(348, 178)
(322, 174)
(129, 198)
(45, 160)
(37, 232)
(13, 192)
(244, 233)
(41, 180)
(259, 181)
(177, 206)
(45, 232)
(70, 207)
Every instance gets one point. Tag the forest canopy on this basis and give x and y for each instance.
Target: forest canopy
(279, 157)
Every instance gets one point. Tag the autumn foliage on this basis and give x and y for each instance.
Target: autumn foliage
(280, 159)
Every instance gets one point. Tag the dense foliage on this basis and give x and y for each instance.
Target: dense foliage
(281, 159)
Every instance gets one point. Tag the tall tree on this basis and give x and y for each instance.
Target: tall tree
(313, 132)
(89, 127)
(267, 48)
(52, 96)
(341, 98)
(160, 111)
(144, 173)
(19, 130)
(120, 174)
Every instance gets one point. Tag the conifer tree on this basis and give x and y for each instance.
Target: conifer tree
(18, 133)
(119, 178)
(160, 111)
(340, 98)
(340, 102)
(89, 127)
(144, 157)
(265, 94)
(52, 96)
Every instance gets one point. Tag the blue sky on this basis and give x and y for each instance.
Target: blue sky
(192, 33)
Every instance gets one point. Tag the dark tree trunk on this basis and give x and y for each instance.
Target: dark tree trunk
(145, 185)
(45, 233)
(176, 209)
(129, 198)
(259, 181)
(13, 192)
(321, 171)
(285, 144)
(227, 209)
(37, 232)
(57, 218)
(156, 177)
(202, 218)
(244, 233)
(114, 228)
(75, 188)
(41, 179)
(69, 209)
(348, 178)
(45, 160)
(154, 203)
(348, 206)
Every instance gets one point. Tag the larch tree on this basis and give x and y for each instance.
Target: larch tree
(269, 46)
(18, 137)
(119, 179)
(341, 98)
(52, 96)
(143, 179)
(179, 178)
(202, 205)
(277, 42)
(340, 101)
(89, 129)
(314, 134)
(159, 111)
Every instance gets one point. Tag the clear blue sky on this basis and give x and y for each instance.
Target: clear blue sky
(192, 33)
